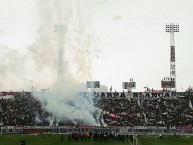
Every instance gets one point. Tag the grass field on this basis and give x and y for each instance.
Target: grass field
(55, 140)
(166, 140)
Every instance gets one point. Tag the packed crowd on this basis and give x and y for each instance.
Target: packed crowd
(100, 136)
(147, 111)
(24, 109)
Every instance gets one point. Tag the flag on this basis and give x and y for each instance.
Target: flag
(139, 103)
(165, 113)
(112, 115)
(111, 89)
(138, 114)
(190, 104)
(145, 117)
(123, 131)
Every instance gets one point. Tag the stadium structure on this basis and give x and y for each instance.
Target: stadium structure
(127, 112)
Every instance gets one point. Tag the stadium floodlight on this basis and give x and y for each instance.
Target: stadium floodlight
(61, 30)
(171, 28)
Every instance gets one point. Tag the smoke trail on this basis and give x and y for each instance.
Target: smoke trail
(67, 104)
(78, 43)
(12, 63)
(38, 63)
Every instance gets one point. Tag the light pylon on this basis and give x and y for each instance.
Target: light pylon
(61, 30)
(171, 28)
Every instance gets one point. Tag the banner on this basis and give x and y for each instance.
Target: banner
(172, 54)
(167, 84)
(128, 85)
(135, 95)
(93, 84)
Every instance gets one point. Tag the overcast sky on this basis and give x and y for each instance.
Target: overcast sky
(106, 40)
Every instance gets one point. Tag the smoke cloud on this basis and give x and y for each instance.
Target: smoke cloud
(37, 66)
(78, 44)
(12, 63)
(67, 103)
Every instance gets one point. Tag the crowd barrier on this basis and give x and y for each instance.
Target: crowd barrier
(121, 130)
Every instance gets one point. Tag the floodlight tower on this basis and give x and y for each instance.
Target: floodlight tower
(171, 28)
(61, 30)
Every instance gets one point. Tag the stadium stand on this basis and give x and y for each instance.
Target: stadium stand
(22, 109)
(147, 112)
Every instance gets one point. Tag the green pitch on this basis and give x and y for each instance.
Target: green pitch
(53, 140)
(56, 140)
(166, 140)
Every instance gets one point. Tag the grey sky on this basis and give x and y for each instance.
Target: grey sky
(127, 39)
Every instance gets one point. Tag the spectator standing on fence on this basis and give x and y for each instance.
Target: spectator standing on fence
(49, 134)
(69, 136)
(22, 142)
(62, 137)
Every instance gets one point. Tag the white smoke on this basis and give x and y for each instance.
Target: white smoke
(38, 66)
(101, 112)
(38, 119)
(66, 103)
(78, 44)
(38, 63)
